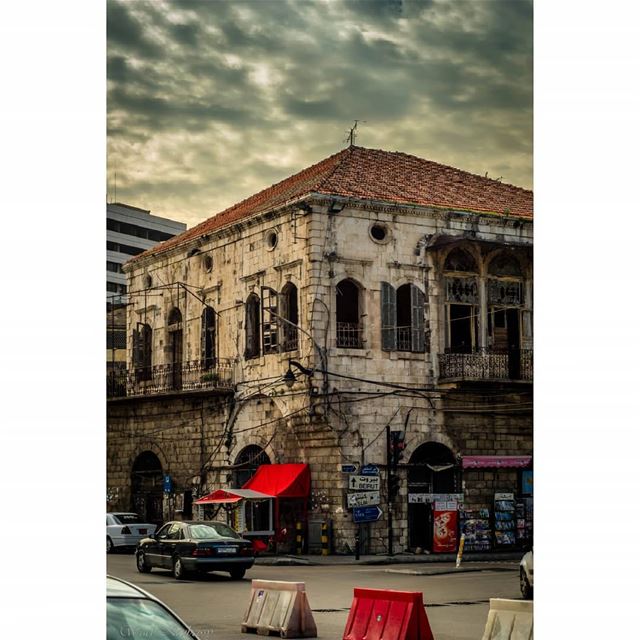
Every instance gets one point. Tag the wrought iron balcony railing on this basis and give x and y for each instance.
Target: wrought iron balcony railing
(197, 375)
(349, 334)
(485, 364)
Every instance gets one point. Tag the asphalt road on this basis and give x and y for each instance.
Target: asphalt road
(213, 605)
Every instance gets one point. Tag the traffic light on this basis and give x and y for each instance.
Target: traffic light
(396, 447)
(394, 487)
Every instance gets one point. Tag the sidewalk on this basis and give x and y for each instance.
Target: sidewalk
(399, 558)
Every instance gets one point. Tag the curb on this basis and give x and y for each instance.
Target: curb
(385, 560)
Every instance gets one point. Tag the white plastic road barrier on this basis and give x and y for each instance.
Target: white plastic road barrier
(509, 620)
(280, 607)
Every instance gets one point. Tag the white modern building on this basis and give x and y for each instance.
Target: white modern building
(131, 231)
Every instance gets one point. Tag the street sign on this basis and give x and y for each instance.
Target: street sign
(366, 514)
(370, 470)
(364, 483)
(363, 498)
(349, 468)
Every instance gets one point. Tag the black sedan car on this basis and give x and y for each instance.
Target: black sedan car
(188, 547)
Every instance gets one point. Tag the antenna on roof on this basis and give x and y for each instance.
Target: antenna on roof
(351, 134)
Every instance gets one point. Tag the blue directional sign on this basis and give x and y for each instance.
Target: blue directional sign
(167, 483)
(349, 468)
(369, 470)
(366, 514)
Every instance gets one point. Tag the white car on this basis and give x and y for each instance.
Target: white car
(126, 530)
(526, 575)
(135, 614)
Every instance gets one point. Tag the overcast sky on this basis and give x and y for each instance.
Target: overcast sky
(212, 101)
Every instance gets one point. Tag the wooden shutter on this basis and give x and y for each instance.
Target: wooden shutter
(203, 338)
(388, 316)
(269, 321)
(417, 320)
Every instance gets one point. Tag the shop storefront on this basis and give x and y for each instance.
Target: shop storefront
(267, 507)
(500, 516)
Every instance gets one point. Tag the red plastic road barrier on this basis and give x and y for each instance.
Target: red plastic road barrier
(382, 614)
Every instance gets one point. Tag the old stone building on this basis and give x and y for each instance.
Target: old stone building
(391, 291)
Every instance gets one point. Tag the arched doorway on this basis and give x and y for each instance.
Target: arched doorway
(256, 513)
(146, 487)
(247, 463)
(431, 469)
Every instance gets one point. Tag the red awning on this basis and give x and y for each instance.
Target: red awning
(282, 480)
(225, 496)
(496, 462)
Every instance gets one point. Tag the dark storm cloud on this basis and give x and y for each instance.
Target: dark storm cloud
(125, 30)
(229, 97)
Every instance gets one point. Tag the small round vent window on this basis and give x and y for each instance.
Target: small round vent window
(272, 240)
(379, 232)
(207, 263)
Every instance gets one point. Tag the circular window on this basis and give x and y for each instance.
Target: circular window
(379, 232)
(148, 281)
(272, 240)
(207, 263)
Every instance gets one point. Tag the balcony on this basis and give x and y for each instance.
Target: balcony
(487, 365)
(349, 335)
(169, 378)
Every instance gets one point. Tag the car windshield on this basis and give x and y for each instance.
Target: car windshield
(127, 518)
(137, 619)
(213, 530)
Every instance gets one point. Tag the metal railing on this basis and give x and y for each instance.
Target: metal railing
(403, 338)
(289, 338)
(168, 378)
(349, 334)
(485, 364)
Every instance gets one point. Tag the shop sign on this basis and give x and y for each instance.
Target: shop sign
(503, 496)
(426, 498)
(363, 498)
(364, 483)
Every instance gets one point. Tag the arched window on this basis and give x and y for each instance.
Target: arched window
(460, 260)
(252, 327)
(505, 297)
(290, 313)
(505, 265)
(462, 301)
(208, 338)
(175, 347)
(142, 350)
(348, 325)
(402, 313)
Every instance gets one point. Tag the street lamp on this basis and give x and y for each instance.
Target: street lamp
(289, 378)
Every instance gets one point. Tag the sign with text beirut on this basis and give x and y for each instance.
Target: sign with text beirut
(364, 483)
(363, 498)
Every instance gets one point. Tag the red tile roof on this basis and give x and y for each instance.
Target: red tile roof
(374, 174)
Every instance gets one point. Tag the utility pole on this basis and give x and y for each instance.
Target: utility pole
(389, 501)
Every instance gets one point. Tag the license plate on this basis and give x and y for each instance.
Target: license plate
(227, 549)
(142, 531)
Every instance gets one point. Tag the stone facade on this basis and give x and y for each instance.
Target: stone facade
(330, 419)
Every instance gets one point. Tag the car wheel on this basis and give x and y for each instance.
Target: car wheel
(237, 574)
(109, 545)
(179, 572)
(525, 587)
(141, 562)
